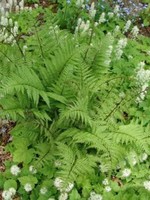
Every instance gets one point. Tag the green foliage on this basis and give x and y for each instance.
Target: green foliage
(76, 111)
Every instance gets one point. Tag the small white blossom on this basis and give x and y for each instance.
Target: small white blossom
(63, 196)
(24, 49)
(126, 172)
(144, 157)
(127, 26)
(58, 182)
(116, 9)
(12, 191)
(15, 170)
(102, 18)
(135, 31)
(69, 187)
(28, 187)
(108, 188)
(147, 185)
(94, 196)
(110, 14)
(32, 169)
(6, 195)
(43, 190)
(92, 11)
(117, 29)
(79, 3)
(105, 181)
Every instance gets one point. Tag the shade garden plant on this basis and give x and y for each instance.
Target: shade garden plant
(76, 84)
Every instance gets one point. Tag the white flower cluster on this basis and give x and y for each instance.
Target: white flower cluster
(106, 183)
(127, 26)
(6, 24)
(135, 31)
(15, 170)
(82, 26)
(126, 172)
(28, 187)
(79, 3)
(92, 11)
(143, 157)
(43, 190)
(109, 52)
(119, 48)
(142, 77)
(15, 5)
(116, 9)
(94, 196)
(32, 169)
(63, 196)
(147, 185)
(132, 158)
(102, 18)
(58, 183)
(8, 194)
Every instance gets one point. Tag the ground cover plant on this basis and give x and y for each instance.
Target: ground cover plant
(75, 85)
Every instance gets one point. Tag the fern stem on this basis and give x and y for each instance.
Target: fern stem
(41, 48)
(114, 109)
(90, 40)
(7, 57)
(16, 42)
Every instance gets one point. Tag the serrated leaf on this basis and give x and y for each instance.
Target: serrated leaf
(10, 184)
(28, 179)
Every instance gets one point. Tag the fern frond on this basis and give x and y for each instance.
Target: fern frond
(132, 134)
(25, 81)
(73, 165)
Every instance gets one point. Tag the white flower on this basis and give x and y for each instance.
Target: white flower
(144, 157)
(105, 181)
(43, 190)
(134, 161)
(147, 185)
(92, 11)
(28, 187)
(69, 187)
(126, 172)
(116, 9)
(108, 188)
(135, 31)
(63, 196)
(24, 49)
(120, 45)
(110, 14)
(130, 57)
(15, 170)
(32, 169)
(117, 29)
(7, 195)
(12, 191)
(79, 3)
(102, 18)
(127, 26)
(58, 182)
(94, 196)
(51, 199)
